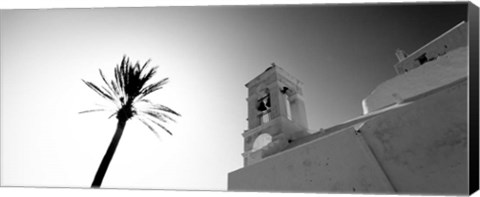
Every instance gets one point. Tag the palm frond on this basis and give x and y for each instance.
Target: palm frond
(110, 88)
(145, 64)
(108, 93)
(155, 120)
(91, 110)
(98, 90)
(158, 115)
(116, 90)
(130, 79)
(118, 81)
(145, 101)
(115, 113)
(165, 109)
(161, 126)
(149, 126)
(152, 88)
(169, 117)
(155, 115)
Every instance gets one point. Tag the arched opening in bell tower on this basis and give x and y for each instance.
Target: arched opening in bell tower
(264, 107)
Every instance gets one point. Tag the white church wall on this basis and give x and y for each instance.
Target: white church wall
(422, 147)
(340, 162)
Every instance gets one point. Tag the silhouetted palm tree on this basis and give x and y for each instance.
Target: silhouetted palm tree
(128, 92)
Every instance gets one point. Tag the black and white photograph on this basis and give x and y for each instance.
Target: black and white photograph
(322, 98)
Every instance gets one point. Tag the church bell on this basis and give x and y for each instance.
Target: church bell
(264, 104)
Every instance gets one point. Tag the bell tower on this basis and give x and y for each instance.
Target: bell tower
(276, 114)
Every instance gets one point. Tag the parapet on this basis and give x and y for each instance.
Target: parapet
(438, 64)
(454, 38)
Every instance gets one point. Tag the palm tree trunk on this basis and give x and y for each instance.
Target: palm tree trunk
(102, 169)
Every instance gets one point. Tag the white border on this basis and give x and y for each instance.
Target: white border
(54, 192)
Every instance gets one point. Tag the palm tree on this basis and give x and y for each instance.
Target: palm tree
(127, 92)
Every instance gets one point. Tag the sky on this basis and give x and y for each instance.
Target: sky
(341, 53)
